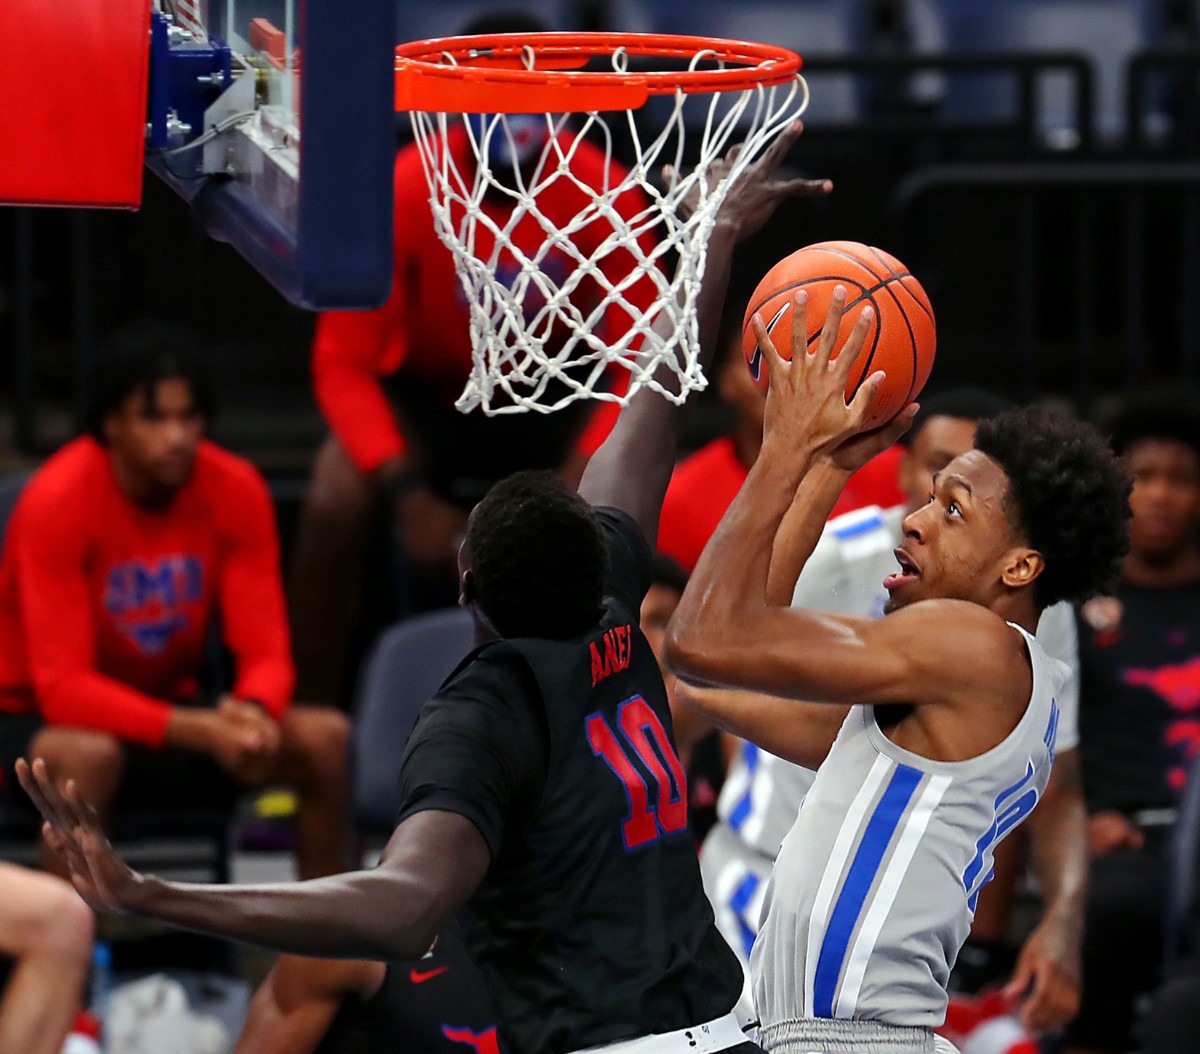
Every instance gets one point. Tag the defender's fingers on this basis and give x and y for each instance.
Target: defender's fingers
(833, 323)
(774, 154)
(848, 356)
(82, 812)
(40, 790)
(766, 345)
(802, 188)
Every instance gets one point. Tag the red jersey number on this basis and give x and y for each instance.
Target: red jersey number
(643, 732)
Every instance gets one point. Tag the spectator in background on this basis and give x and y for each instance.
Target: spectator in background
(701, 748)
(1140, 714)
(387, 380)
(46, 930)
(704, 484)
(124, 550)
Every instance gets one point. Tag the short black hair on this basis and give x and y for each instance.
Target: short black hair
(667, 571)
(137, 358)
(1157, 413)
(1069, 495)
(538, 558)
(965, 403)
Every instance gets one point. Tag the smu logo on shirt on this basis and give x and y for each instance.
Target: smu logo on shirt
(144, 597)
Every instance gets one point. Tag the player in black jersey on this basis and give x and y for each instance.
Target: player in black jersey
(541, 789)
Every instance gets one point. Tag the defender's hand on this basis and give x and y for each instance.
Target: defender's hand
(753, 197)
(72, 829)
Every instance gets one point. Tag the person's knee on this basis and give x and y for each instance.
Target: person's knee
(318, 739)
(81, 754)
(338, 493)
(56, 924)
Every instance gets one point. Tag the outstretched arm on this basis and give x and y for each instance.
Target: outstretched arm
(433, 863)
(631, 469)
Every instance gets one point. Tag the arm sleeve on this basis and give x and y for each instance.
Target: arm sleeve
(630, 564)
(478, 750)
(50, 550)
(251, 597)
(1059, 638)
(347, 350)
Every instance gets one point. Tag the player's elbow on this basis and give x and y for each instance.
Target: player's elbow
(692, 654)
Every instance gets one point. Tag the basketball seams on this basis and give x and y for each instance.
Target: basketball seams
(799, 285)
(912, 340)
(865, 286)
(916, 299)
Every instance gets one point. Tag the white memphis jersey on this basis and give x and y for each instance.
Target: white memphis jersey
(845, 573)
(875, 886)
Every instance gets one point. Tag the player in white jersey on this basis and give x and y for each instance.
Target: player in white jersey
(948, 703)
(762, 793)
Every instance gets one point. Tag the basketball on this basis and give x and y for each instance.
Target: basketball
(902, 339)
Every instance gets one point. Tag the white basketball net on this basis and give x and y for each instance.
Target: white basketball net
(539, 344)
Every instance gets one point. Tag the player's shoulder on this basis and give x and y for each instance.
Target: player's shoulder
(940, 628)
(66, 478)
(231, 473)
(496, 673)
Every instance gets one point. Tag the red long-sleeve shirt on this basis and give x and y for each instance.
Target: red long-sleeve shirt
(704, 485)
(105, 606)
(424, 328)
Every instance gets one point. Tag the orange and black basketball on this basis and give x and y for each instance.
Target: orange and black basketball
(903, 337)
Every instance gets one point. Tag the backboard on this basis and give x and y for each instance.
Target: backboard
(274, 119)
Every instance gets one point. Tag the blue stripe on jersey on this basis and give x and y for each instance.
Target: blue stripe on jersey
(740, 901)
(741, 811)
(853, 530)
(859, 879)
(1003, 817)
(1051, 736)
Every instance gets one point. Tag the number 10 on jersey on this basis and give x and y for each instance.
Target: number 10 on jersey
(639, 724)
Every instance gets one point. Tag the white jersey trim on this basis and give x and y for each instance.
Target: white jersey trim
(838, 859)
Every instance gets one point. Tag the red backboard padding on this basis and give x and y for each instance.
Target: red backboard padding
(73, 101)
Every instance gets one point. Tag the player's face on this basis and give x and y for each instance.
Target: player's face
(1165, 499)
(657, 608)
(939, 442)
(156, 433)
(957, 544)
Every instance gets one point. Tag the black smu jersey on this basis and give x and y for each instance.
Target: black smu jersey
(434, 1005)
(592, 925)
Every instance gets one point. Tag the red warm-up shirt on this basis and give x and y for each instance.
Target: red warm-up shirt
(704, 485)
(424, 328)
(105, 606)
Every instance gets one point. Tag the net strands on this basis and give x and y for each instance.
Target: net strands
(540, 344)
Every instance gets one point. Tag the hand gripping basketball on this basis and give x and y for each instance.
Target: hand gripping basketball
(806, 410)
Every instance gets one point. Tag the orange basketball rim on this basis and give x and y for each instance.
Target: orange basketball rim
(545, 72)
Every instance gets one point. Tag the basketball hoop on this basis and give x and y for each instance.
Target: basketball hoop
(538, 337)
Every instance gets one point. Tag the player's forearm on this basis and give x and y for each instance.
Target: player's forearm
(359, 915)
(1059, 847)
(801, 529)
(728, 589)
(633, 466)
(87, 699)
